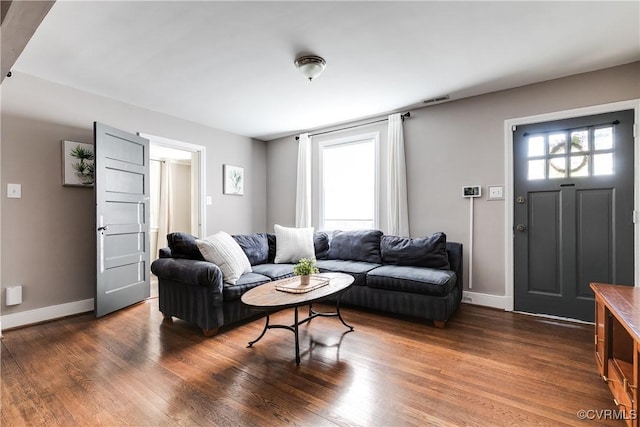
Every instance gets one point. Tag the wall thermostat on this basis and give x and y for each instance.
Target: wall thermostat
(471, 191)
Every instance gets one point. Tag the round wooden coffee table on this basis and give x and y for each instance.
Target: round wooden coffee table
(268, 299)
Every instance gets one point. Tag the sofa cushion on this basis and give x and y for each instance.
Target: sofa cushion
(222, 250)
(356, 245)
(183, 245)
(321, 244)
(274, 271)
(247, 281)
(255, 246)
(292, 244)
(417, 280)
(418, 252)
(357, 269)
(166, 253)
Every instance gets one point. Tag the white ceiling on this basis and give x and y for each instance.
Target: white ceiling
(229, 65)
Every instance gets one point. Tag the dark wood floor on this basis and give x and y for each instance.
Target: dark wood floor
(486, 368)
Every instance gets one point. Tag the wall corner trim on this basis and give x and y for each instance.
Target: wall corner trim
(485, 300)
(43, 314)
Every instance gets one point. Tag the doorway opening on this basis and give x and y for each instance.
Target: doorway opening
(176, 200)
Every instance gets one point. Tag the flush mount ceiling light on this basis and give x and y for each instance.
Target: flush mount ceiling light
(311, 66)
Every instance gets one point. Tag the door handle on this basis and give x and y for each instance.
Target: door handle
(103, 228)
(521, 227)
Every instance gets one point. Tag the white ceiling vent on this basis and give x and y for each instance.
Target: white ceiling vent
(436, 99)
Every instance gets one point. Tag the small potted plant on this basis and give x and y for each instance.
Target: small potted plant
(304, 268)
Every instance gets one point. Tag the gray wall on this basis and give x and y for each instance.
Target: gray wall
(48, 236)
(462, 143)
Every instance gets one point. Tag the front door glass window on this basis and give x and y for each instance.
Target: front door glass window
(572, 153)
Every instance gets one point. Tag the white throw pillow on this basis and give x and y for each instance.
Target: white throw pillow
(293, 244)
(222, 250)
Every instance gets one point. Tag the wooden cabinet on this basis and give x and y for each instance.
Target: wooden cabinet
(617, 343)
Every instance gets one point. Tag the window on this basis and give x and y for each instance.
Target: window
(348, 181)
(572, 153)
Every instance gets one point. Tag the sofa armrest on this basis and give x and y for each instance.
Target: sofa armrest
(189, 271)
(454, 251)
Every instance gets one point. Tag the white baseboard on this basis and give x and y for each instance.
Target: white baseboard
(45, 313)
(486, 300)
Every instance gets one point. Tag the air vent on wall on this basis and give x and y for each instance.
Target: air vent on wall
(437, 99)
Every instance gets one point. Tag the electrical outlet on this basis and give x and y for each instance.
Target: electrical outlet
(13, 295)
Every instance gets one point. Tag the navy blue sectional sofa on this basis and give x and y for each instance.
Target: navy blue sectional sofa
(419, 277)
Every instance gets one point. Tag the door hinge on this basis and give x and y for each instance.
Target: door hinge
(513, 128)
(634, 216)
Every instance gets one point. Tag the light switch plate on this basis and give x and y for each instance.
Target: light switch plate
(14, 191)
(209, 201)
(496, 192)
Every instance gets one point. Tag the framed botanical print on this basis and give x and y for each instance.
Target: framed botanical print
(78, 167)
(233, 180)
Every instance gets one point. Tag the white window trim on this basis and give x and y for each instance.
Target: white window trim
(353, 139)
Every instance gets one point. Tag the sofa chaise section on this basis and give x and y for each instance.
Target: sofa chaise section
(420, 292)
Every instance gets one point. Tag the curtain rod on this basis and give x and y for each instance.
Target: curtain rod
(402, 116)
(615, 122)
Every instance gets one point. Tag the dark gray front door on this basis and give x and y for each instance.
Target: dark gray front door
(122, 218)
(573, 212)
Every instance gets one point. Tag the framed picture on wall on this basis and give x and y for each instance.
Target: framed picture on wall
(78, 165)
(233, 180)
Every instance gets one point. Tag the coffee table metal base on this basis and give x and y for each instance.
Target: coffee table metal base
(296, 323)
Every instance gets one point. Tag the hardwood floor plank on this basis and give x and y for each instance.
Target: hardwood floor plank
(485, 368)
(23, 401)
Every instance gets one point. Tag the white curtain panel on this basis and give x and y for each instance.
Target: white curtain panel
(303, 183)
(398, 211)
(164, 213)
